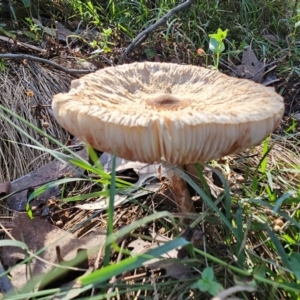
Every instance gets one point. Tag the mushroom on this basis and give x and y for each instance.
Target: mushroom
(169, 113)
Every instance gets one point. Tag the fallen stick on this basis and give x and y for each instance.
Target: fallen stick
(144, 34)
(20, 44)
(45, 61)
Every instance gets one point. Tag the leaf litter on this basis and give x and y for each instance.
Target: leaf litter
(147, 181)
(255, 70)
(36, 239)
(59, 247)
(67, 247)
(169, 262)
(45, 174)
(172, 261)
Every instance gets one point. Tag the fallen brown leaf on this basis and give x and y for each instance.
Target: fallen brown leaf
(174, 268)
(37, 234)
(144, 175)
(251, 67)
(59, 276)
(46, 173)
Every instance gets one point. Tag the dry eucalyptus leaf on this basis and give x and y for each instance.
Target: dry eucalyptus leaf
(174, 269)
(42, 175)
(93, 241)
(177, 270)
(107, 160)
(270, 79)
(272, 39)
(36, 234)
(58, 276)
(62, 31)
(140, 246)
(102, 203)
(296, 116)
(254, 69)
(145, 173)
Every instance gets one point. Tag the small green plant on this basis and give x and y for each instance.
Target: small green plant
(103, 44)
(216, 45)
(34, 28)
(292, 127)
(207, 283)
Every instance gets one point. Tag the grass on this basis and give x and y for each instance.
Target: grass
(249, 214)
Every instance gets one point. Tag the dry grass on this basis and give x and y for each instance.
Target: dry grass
(27, 89)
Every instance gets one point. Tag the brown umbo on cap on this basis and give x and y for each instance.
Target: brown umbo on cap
(181, 114)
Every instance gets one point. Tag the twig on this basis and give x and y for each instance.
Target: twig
(144, 34)
(45, 61)
(17, 43)
(226, 65)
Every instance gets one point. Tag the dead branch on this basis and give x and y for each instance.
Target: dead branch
(144, 34)
(24, 45)
(45, 61)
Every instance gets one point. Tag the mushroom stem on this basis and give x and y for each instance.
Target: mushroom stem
(191, 170)
(181, 192)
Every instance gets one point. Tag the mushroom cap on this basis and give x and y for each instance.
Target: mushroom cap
(181, 114)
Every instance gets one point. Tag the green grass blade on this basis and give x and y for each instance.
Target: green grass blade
(282, 198)
(12, 243)
(202, 180)
(279, 248)
(226, 192)
(240, 241)
(207, 200)
(40, 190)
(110, 211)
